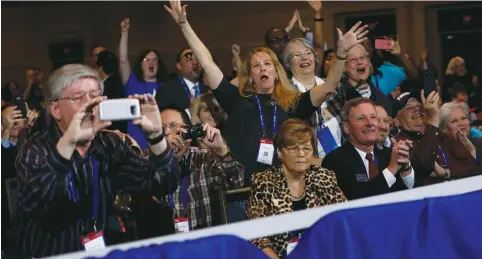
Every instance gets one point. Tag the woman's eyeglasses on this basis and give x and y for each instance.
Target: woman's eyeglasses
(296, 150)
(299, 55)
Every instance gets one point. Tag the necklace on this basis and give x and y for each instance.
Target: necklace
(299, 197)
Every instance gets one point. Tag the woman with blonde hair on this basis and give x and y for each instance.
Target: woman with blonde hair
(456, 72)
(265, 97)
(206, 109)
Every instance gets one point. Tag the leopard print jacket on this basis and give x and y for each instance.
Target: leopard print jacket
(270, 195)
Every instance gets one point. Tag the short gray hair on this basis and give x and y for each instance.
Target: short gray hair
(287, 54)
(65, 76)
(447, 109)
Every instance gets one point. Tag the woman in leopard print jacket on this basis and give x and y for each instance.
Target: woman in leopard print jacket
(294, 185)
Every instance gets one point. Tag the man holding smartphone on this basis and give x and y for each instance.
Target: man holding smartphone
(207, 168)
(69, 172)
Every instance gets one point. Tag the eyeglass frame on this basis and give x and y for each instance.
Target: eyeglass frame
(363, 58)
(299, 55)
(80, 97)
(296, 150)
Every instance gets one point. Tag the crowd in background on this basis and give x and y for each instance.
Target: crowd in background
(283, 122)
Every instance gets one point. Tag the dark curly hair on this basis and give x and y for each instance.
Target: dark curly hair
(162, 74)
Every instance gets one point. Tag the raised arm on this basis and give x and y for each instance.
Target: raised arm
(318, 40)
(347, 41)
(410, 69)
(124, 66)
(214, 75)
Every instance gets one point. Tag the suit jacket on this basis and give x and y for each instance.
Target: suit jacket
(270, 195)
(347, 164)
(173, 92)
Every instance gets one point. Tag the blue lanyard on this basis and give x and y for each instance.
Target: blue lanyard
(184, 198)
(186, 88)
(74, 195)
(446, 164)
(261, 117)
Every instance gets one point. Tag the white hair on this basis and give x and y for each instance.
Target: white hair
(447, 109)
(452, 63)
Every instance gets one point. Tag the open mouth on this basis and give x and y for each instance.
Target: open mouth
(416, 116)
(304, 65)
(361, 70)
(368, 131)
(151, 69)
(264, 77)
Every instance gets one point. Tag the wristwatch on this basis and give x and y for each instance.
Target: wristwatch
(306, 31)
(157, 139)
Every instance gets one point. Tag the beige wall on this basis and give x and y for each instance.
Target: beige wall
(28, 30)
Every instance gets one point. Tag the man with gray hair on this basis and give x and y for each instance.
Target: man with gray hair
(69, 172)
(371, 171)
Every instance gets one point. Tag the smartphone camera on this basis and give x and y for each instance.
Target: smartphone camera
(133, 110)
(194, 132)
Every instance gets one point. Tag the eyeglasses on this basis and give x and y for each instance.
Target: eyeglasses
(354, 61)
(299, 55)
(155, 60)
(172, 126)
(278, 40)
(80, 97)
(296, 150)
(188, 56)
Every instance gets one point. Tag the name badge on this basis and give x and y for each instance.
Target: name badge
(93, 241)
(181, 225)
(292, 244)
(266, 152)
(362, 178)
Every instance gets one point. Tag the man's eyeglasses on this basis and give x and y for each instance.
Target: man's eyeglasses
(278, 40)
(299, 55)
(354, 61)
(172, 126)
(296, 150)
(188, 56)
(76, 98)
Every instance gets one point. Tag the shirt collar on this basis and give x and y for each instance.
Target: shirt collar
(363, 154)
(301, 87)
(189, 84)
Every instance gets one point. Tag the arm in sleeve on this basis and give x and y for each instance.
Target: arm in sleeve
(423, 155)
(227, 173)
(409, 180)
(226, 94)
(42, 178)
(258, 206)
(304, 108)
(158, 173)
(336, 193)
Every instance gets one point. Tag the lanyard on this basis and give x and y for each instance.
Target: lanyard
(261, 117)
(320, 119)
(446, 163)
(74, 195)
(184, 198)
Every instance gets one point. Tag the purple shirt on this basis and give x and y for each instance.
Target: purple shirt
(134, 86)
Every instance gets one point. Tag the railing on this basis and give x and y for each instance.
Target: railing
(298, 220)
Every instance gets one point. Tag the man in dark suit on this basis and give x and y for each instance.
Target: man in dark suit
(361, 169)
(186, 86)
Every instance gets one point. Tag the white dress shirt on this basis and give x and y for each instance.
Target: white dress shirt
(190, 85)
(408, 180)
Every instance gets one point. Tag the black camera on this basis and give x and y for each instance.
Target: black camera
(194, 132)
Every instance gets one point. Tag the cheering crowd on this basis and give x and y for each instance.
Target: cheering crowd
(301, 125)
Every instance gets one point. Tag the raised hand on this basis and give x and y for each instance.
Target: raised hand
(13, 117)
(396, 48)
(125, 24)
(462, 138)
(150, 120)
(177, 11)
(316, 5)
(348, 40)
(85, 123)
(236, 50)
(432, 102)
(32, 116)
(214, 140)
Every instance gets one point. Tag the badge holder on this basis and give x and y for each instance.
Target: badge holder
(93, 240)
(181, 224)
(266, 151)
(292, 244)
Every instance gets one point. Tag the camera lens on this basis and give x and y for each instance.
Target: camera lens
(133, 110)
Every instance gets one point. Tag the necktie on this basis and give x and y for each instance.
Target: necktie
(196, 90)
(372, 166)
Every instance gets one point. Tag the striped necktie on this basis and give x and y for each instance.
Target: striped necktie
(196, 90)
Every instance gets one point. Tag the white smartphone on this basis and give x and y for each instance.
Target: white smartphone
(119, 109)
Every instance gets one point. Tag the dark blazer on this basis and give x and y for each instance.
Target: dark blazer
(347, 164)
(173, 92)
